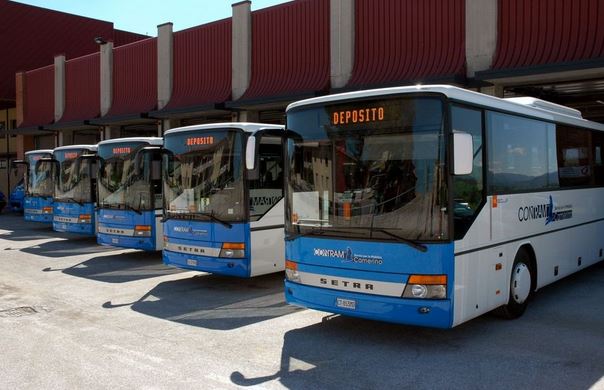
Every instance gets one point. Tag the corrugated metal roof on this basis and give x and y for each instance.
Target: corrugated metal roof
(202, 65)
(82, 88)
(290, 52)
(30, 37)
(134, 78)
(408, 40)
(39, 97)
(547, 32)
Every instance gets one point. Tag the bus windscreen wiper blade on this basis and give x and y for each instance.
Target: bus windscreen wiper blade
(216, 219)
(313, 231)
(128, 207)
(411, 243)
(76, 201)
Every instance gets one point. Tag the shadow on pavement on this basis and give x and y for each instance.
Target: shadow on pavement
(14, 228)
(555, 345)
(120, 267)
(215, 302)
(68, 245)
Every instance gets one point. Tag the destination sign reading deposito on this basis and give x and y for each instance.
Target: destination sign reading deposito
(194, 141)
(359, 115)
(122, 150)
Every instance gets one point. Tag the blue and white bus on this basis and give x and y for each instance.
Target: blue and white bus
(75, 189)
(130, 193)
(223, 198)
(431, 205)
(39, 185)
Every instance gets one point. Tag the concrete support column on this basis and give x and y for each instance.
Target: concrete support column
(246, 116)
(242, 48)
(496, 90)
(164, 64)
(341, 41)
(20, 97)
(59, 86)
(106, 77)
(167, 124)
(481, 34)
(110, 132)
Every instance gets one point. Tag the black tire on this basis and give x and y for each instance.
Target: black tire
(518, 297)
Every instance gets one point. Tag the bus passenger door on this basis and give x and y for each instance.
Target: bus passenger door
(265, 185)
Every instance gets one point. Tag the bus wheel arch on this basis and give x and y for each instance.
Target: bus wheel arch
(522, 283)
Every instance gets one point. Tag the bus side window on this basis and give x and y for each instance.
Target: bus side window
(267, 189)
(468, 190)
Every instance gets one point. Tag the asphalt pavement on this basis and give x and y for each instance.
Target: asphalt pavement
(77, 315)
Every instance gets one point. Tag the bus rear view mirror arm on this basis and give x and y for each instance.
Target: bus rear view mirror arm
(462, 153)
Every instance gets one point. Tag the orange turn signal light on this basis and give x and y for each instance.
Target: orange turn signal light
(291, 265)
(233, 245)
(143, 228)
(85, 216)
(427, 279)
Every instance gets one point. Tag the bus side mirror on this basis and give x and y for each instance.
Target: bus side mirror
(250, 153)
(463, 153)
(138, 157)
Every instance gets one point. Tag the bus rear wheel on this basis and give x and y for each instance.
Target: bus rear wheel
(521, 287)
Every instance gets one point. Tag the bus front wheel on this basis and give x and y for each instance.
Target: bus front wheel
(520, 287)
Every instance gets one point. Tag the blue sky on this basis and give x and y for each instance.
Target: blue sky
(143, 16)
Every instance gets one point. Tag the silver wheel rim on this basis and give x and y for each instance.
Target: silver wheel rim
(521, 283)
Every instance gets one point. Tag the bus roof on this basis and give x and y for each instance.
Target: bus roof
(70, 147)
(245, 126)
(39, 151)
(150, 140)
(536, 108)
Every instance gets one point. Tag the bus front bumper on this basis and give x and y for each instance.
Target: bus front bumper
(215, 265)
(428, 313)
(143, 243)
(71, 227)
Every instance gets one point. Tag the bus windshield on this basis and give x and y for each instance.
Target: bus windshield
(74, 181)
(203, 175)
(40, 176)
(372, 169)
(121, 185)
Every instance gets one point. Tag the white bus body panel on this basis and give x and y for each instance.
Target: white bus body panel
(268, 246)
(566, 244)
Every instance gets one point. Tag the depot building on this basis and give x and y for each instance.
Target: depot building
(250, 66)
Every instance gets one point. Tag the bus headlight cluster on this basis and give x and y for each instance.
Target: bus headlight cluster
(85, 218)
(426, 287)
(232, 250)
(291, 271)
(47, 210)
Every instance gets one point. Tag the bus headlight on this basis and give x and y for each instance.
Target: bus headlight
(232, 250)
(291, 271)
(142, 231)
(47, 210)
(426, 287)
(85, 218)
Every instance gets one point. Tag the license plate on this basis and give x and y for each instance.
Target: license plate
(115, 241)
(192, 263)
(350, 304)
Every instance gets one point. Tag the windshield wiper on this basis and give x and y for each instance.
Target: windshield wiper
(411, 243)
(74, 200)
(190, 217)
(215, 219)
(314, 231)
(128, 207)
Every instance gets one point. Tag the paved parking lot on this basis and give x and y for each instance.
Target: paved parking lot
(73, 314)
